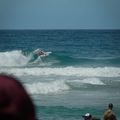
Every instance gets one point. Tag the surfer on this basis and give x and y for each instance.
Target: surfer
(109, 114)
(39, 52)
(37, 55)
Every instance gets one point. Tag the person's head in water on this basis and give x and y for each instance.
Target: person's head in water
(110, 106)
(15, 103)
(87, 116)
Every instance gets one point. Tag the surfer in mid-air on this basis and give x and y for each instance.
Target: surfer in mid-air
(39, 52)
(37, 56)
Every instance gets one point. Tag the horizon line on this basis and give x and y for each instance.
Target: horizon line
(59, 29)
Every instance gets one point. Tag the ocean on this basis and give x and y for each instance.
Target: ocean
(80, 74)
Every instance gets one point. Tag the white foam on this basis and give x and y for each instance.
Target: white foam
(59, 85)
(92, 81)
(13, 58)
(47, 87)
(81, 83)
(66, 71)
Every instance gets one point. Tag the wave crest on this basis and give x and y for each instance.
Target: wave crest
(56, 86)
(66, 71)
(18, 58)
(47, 87)
(13, 58)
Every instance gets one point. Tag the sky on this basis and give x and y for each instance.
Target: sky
(59, 14)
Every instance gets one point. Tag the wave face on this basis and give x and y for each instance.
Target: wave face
(19, 58)
(68, 47)
(27, 58)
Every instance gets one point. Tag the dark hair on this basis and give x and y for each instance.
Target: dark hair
(110, 105)
(15, 103)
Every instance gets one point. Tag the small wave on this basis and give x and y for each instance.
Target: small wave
(45, 87)
(92, 81)
(83, 83)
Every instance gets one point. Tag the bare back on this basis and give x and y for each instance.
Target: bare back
(109, 115)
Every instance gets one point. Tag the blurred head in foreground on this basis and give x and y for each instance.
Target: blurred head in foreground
(15, 103)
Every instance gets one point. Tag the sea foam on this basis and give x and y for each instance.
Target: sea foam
(47, 87)
(58, 86)
(92, 81)
(13, 58)
(66, 71)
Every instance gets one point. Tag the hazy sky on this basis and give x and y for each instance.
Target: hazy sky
(59, 14)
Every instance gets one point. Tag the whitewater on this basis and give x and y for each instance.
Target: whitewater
(16, 63)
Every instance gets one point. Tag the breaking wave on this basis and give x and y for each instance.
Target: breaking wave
(13, 58)
(60, 85)
(19, 58)
(66, 71)
(48, 87)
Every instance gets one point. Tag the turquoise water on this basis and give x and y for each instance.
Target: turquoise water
(81, 72)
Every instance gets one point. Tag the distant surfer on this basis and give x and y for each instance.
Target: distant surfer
(36, 56)
(39, 52)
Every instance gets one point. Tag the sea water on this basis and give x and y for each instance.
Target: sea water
(80, 74)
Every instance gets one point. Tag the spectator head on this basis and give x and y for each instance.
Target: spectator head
(87, 116)
(15, 103)
(110, 106)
